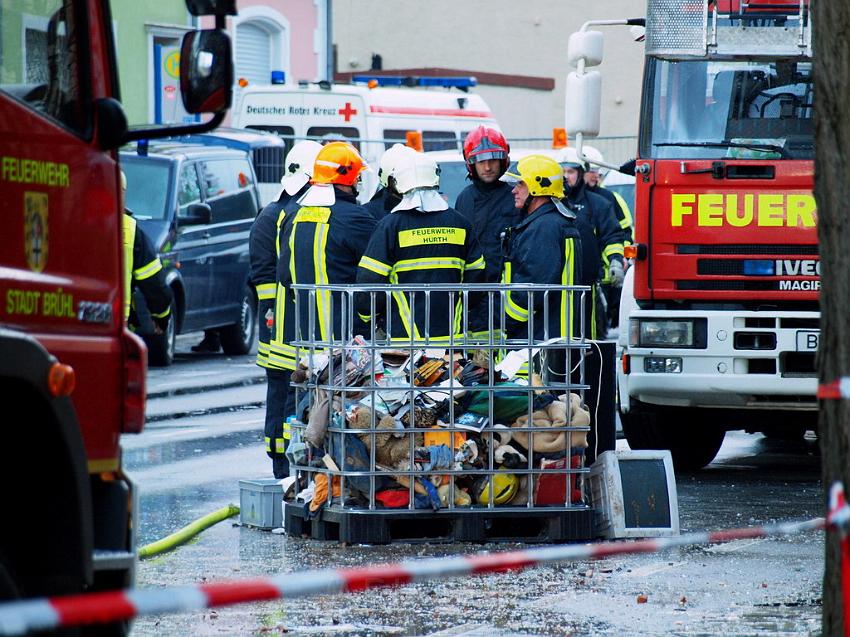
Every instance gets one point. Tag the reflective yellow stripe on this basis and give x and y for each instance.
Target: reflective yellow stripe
(287, 431)
(512, 309)
(280, 217)
(268, 445)
(280, 445)
(104, 466)
(611, 249)
(627, 221)
(478, 264)
(147, 271)
(428, 263)
(404, 309)
(129, 227)
(266, 291)
(567, 278)
(364, 317)
(323, 297)
(313, 214)
(162, 314)
(373, 265)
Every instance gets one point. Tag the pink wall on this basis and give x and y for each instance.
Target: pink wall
(303, 18)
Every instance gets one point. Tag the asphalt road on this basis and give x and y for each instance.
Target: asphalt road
(205, 433)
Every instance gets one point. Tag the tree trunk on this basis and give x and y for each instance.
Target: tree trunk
(831, 44)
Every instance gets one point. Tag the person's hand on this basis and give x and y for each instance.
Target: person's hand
(160, 324)
(616, 273)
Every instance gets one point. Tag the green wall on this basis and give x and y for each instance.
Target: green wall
(131, 18)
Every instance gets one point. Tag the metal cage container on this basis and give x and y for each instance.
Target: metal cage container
(379, 414)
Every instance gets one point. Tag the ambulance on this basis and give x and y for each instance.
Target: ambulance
(372, 113)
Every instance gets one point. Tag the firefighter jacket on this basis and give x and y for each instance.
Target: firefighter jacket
(143, 270)
(621, 210)
(263, 251)
(320, 245)
(409, 247)
(382, 203)
(490, 209)
(601, 235)
(543, 248)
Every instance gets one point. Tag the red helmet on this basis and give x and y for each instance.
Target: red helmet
(485, 143)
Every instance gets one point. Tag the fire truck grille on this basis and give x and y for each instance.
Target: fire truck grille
(749, 249)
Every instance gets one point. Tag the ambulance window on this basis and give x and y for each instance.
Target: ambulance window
(438, 140)
(285, 132)
(336, 133)
(394, 137)
(41, 64)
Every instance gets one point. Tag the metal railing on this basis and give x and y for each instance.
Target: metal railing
(500, 401)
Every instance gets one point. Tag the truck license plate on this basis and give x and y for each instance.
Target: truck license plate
(807, 341)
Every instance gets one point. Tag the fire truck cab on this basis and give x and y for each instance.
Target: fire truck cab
(719, 317)
(72, 377)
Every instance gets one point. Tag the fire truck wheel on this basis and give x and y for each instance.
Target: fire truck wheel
(161, 346)
(8, 588)
(237, 339)
(691, 435)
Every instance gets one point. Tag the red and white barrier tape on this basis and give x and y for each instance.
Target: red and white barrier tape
(20, 617)
(835, 390)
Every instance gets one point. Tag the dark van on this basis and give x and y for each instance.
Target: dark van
(197, 204)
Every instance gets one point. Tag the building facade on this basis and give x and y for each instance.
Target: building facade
(524, 39)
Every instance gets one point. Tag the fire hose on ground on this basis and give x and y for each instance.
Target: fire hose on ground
(48, 613)
(187, 532)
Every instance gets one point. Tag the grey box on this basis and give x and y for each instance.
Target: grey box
(261, 503)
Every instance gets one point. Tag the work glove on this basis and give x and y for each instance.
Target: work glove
(161, 322)
(616, 273)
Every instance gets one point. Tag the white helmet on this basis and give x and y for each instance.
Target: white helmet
(593, 154)
(390, 161)
(298, 167)
(415, 170)
(417, 177)
(568, 157)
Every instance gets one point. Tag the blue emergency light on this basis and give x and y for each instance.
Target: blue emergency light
(758, 267)
(462, 83)
(278, 77)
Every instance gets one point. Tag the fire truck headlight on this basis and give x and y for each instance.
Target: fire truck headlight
(683, 333)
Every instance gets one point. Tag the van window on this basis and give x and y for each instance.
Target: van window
(431, 139)
(188, 186)
(229, 189)
(147, 188)
(336, 133)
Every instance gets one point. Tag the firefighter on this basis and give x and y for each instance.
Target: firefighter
(611, 288)
(422, 241)
(322, 241)
(487, 202)
(602, 240)
(545, 247)
(595, 184)
(143, 270)
(273, 354)
(387, 197)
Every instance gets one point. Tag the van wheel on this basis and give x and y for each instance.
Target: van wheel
(161, 346)
(237, 339)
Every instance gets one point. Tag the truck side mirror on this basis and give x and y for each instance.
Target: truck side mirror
(583, 103)
(206, 73)
(587, 46)
(211, 7)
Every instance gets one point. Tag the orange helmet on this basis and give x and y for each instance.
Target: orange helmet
(338, 163)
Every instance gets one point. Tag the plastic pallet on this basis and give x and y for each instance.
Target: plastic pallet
(385, 526)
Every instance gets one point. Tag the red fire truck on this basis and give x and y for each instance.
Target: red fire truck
(72, 377)
(719, 315)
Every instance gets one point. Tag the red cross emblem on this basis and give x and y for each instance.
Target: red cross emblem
(348, 112)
